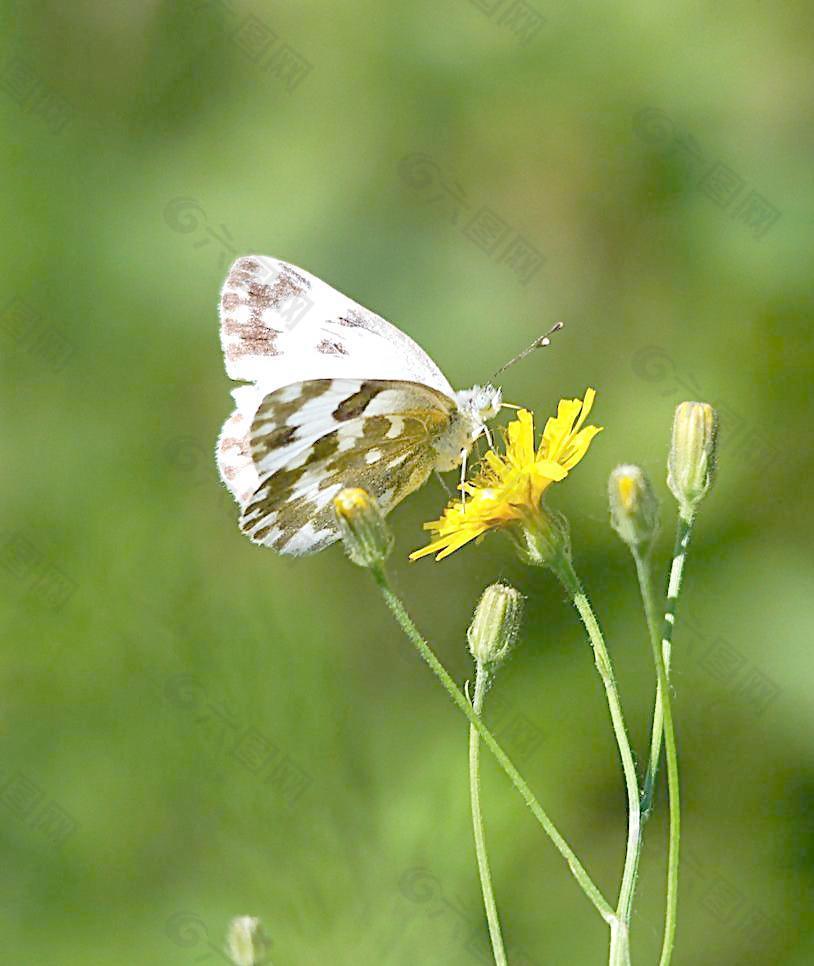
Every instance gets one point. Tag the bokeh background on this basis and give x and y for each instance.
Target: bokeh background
(193, 728)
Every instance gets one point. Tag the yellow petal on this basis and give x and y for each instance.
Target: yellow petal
(558, 427)
(578, 446)
(450, 543)
(590, 395)
(520, 442)
(460, 541)
(551, 470)
(424, 551)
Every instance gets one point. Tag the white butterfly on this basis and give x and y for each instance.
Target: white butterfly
(336, 397)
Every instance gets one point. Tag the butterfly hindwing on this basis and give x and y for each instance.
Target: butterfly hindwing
(289, 420)
(311, 439)
(233, 453)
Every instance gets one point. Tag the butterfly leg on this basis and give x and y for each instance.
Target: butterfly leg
(464, 454)
(443, 483)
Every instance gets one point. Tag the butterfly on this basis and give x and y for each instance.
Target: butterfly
(333, 396)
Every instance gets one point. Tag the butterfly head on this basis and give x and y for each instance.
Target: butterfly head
(475, 407)
(481, 403)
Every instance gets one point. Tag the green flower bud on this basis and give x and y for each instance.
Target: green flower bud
(691, 464)
(634, 508)
(247, 944)
(494, 628)
(543, 540)
(366, 536)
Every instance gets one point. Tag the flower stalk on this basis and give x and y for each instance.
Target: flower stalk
(579, 872)
(662, 722)
(491, 637)
(482, 677)
(564, 570)
(682, 542)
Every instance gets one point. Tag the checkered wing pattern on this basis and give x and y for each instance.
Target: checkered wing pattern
(309, 440)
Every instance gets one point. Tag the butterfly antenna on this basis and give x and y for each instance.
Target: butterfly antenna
(539, 343)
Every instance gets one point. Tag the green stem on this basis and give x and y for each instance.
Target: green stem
(682, 542)
(663, 718)
(578, 871)
(620, 945)
(645, 586)
(481, 684)
(565, 571)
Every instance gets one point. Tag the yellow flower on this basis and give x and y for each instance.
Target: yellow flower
(508, 490)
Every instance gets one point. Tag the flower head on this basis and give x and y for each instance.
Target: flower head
(366, 536)
(634, 508)
(691, 464)
(496, 624)
(508, 489)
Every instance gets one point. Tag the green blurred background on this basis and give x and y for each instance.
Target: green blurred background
(194, 728)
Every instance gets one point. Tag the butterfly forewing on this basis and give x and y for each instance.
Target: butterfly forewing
(280, 324)
(310, 440)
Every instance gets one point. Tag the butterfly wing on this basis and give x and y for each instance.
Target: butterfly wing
(311, 439)
(280, 325)
(232, 453)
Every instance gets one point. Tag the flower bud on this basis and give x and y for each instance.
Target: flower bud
(494, 628)
(247, 944)
(366, 536)
(691, 464)
(634, 508)
(543, 540)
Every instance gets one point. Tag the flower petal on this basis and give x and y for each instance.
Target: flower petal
(587, 405)
(550, 470)
(558, 427)
(520, 439)
(578, 446)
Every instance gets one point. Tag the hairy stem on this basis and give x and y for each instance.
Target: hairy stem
(663, 718)
(682, 542)
(565, 571)
(620, 945)
(481, 684)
